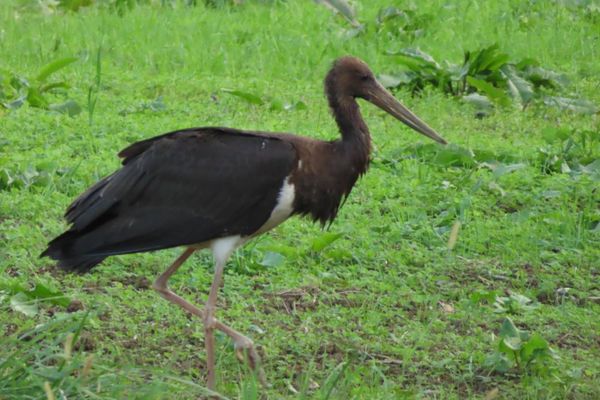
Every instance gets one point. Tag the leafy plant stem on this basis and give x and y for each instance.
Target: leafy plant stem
(94, 89)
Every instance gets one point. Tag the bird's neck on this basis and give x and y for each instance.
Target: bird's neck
(356, 139)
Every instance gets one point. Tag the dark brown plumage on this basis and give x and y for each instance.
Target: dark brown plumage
(219, 187)
(182, 188)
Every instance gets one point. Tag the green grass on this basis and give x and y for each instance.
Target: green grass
(384, 312)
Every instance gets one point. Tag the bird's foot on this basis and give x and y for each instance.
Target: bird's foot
(245, 351)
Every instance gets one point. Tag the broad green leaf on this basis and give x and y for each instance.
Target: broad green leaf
(287, 251)
(19, 83)
(494, 186)
(354, 31)
(20, 302)
(453, 155)
(480, 101)
(513, 304)
(458, 72)
(503, 169)
(339, 254)
(512, 343)
(388, 13)
(344, 8)
(39, 292)
(69, 107)
(490, 156)
(272, 259)
(55, 85)
(493, 93)
(157, 105)
(498, 362)
(54, 66)
(35, 98)
(249, 97)
(392, 81)
(576, 105)
(6, 179)
(14, 104)
(480, 296)
(524, 302)
(543, 77)
(495, 62)
(486, 59)
(591, 168)
(12, 287)
(553, 134)
(404, 78)
(526, 63)
(508, 329)
(43, 292)
(325, 240)
(416, 59)
(519, 88)
(535, 344)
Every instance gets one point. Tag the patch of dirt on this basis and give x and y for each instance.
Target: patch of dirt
(569, 340)
(13, 272)
(51, 269)
(105, 316)
(392, 363)
(9, 329)
(331, 350)
(94, 287)
(532, 280)
(416, 372)
(138, 282)
(75, 305)
(308, 298)
(509, 207)
(85, 342)
(460, 326)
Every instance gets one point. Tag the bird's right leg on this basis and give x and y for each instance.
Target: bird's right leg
(160, 285)
(241, 342)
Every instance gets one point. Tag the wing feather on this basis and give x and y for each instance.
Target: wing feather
(180, 188)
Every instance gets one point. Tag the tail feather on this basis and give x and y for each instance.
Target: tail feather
(80, 265)
(61, 250)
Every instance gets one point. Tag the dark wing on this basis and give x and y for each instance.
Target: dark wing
(181, 188)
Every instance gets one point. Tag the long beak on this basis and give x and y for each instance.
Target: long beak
(384, 100)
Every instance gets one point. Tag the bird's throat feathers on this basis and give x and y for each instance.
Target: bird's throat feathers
(355, 144)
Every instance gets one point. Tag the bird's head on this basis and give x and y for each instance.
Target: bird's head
(352, 77)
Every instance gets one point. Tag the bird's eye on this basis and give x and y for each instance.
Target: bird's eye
(365, 78)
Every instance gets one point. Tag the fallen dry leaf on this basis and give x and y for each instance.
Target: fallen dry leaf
(447, 308)
(492, 394)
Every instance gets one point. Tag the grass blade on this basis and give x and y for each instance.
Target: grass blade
(54, 66)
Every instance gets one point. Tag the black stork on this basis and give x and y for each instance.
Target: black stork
(218, 188)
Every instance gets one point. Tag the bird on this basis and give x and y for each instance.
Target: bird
(217, 188)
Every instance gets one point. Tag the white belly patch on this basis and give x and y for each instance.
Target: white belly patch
(283, 209)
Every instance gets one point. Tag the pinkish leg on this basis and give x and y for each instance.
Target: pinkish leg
(241, 342)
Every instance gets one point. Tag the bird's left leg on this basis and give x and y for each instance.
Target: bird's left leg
(221, 252)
